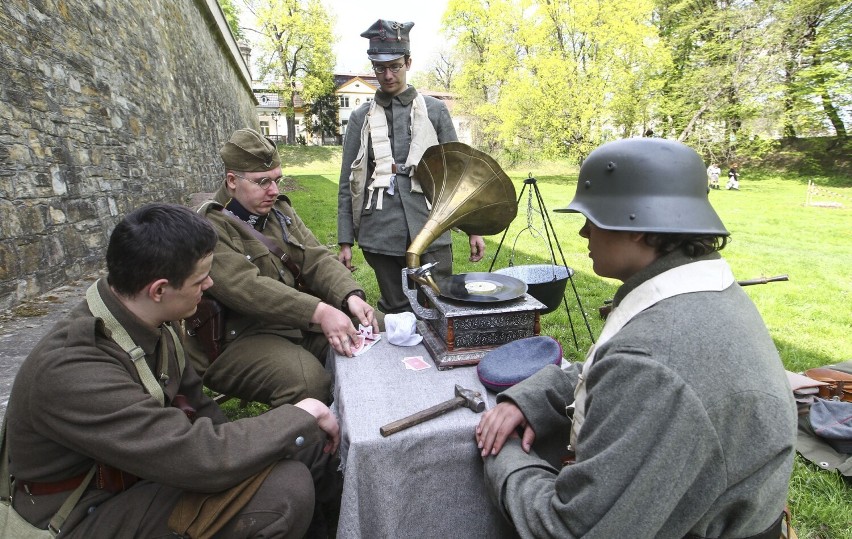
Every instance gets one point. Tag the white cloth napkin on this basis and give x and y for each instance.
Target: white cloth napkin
(401, 329)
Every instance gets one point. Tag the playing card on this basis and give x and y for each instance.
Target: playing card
(415, 363)
(365, 340)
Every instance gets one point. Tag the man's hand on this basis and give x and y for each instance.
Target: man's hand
(361, 310)
(477, 248)
(337, 328)
(345, 256)
(325, 420)
(498, 425)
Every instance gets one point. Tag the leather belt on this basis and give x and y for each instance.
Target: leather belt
(400, 169)
(41, 489)
(107, 478)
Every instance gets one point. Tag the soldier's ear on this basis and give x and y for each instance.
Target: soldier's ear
(156, 289)
(231, 180)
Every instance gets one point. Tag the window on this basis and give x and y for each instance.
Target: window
(344, 101)
(357, 101)
(264, 128)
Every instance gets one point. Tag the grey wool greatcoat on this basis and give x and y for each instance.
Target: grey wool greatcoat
(389, 231)
(272, 351)
(690, 428)
(78, 399)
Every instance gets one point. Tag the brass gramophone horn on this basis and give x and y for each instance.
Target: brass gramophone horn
(468, 190)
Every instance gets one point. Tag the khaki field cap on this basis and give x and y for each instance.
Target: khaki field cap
(388, 40)
(249, 151)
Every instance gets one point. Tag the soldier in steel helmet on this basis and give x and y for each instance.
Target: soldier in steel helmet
(669, 433)
(380, 203)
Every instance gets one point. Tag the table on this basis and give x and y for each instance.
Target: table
(424, 482)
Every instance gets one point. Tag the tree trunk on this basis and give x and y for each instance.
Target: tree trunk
(789, 127)
(828, 106)
(291, 117)
(291, 128)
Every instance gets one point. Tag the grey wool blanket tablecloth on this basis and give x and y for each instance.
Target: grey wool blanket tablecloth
(424, 482)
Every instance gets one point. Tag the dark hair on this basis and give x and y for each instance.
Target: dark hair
(157, 241)
(689, 244)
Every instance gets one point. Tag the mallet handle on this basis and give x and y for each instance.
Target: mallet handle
(421, 416)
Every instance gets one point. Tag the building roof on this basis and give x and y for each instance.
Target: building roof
(341, 79)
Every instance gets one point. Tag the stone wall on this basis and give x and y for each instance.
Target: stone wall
(105, 105)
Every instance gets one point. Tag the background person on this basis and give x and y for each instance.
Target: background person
(78, 400)
(380, 203)
(674, 433)
(277, 334)
(733, 178)
(713, 172)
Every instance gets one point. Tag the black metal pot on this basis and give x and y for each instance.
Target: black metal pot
(545, 282)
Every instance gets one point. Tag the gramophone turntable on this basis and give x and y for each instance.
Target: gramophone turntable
(466, 315)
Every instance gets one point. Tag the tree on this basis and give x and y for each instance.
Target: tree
(723, 76)
(440, 75)
(232, 16)
(555, 76)
(817, 53)
(323, 113)
(296, 51)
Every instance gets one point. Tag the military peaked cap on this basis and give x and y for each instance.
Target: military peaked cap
(388, 40)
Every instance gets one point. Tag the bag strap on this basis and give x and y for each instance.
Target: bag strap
(5, 478)
(58, 519)
(122, 338)
(286, 259)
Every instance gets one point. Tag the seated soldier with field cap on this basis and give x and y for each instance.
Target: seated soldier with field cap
(287, 296)
(107, 415)
(662, 431)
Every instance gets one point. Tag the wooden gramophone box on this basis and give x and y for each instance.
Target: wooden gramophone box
(459, 333)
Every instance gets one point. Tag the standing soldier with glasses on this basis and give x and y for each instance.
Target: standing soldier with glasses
(380, 203)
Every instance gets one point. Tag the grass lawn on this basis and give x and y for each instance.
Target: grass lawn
(772, 232)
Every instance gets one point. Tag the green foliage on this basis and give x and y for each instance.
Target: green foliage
(556, 78)
(817, 49)
(322, 114)
(232, 15)
(296, 51)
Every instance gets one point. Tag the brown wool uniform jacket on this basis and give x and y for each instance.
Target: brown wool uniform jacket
(78, 399)
(257, 288)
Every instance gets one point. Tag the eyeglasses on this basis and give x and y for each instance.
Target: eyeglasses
(263, 183)
(381, 69)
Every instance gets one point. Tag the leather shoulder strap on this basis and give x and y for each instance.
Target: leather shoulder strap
(122, 338)
(67, 506)
(274, 249)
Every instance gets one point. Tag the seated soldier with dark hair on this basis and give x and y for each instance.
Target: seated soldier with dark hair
(671, 433)
(94, 410)
(287, 296)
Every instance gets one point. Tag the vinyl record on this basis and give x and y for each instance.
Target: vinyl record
(482, 287)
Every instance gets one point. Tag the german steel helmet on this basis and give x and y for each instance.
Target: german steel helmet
(646, 185)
